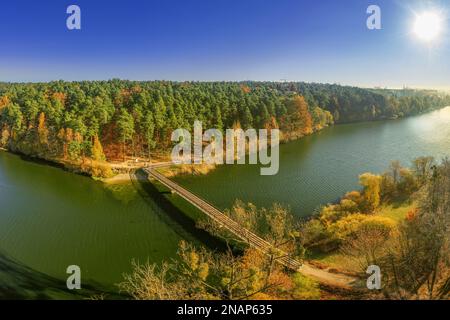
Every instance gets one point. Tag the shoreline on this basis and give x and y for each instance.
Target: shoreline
(117, 179)
(126, 177)
(122, 170)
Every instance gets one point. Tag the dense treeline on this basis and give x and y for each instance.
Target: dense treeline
(112, 119)
(350, 104)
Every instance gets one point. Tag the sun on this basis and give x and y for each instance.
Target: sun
(428, 26)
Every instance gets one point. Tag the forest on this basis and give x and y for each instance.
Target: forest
(90, 122)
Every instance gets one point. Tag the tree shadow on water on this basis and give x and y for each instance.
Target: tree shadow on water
(183, 225)
(18, 282)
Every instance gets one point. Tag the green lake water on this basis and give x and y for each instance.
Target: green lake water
(50, 218)
(322, 167)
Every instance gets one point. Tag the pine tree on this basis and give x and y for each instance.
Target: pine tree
(247, 118)
(218, 123)
(149, 131)
(300, 118)
(125, 124)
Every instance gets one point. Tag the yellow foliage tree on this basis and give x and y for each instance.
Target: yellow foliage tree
(372, 190)
(4, 101)
(42, 129)
(97, 150)
(5, 136)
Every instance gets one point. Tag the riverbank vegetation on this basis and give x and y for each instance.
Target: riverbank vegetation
(199, 274)
(365, 228)
(399, 220)
(187, 169)
(87, 125)
(241, 272)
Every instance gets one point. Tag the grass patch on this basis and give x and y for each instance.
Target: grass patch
(305, 288)
(186, 169)
(333, 260)
(396, 212)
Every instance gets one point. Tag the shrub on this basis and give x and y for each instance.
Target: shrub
(96, 169)
(101, 170)
(305, 288)
(352, 224)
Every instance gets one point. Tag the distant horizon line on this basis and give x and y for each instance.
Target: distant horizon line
(238, 81)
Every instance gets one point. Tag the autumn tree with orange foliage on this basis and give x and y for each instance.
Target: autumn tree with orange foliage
(298, 121)
(60, 97)
(4, 101)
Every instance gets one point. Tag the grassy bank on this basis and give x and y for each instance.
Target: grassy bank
(338, 261)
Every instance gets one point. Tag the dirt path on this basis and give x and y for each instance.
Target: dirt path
(330, 278)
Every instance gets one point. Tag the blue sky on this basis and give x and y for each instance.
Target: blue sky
(296, 40)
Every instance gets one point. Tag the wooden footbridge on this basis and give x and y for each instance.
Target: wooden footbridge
(333, 279)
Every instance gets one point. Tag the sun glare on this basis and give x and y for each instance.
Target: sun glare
(428, 26)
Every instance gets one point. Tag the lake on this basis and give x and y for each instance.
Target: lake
(50, 218)
(320, 168)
